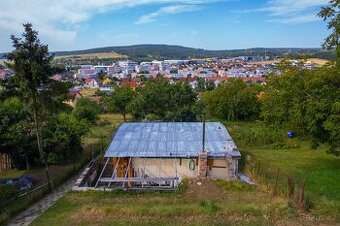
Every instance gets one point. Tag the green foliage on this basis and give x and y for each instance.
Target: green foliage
(137, 107)
(169, 102)
(306, 102)
(87, 109)
(63, 137)
(15, 136)
(203, 85)
(236, 186)
(256, 134)
(6, 191)
(232, 100)
(31, 63)
(209, 206)
(122, 97)
(331, 13)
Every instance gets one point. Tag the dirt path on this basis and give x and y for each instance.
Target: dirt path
(29, 215)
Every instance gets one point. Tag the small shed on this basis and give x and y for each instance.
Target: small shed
(160, 155)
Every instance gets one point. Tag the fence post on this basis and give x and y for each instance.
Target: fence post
(275, 186)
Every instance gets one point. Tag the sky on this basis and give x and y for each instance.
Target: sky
(207, 24)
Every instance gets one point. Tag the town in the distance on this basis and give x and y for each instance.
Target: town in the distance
(210, 71)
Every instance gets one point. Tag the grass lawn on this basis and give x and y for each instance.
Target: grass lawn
(211, 203)
(102, 131)
(88, 92)
(295, 158)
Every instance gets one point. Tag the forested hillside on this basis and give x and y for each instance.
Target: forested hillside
(163, 52)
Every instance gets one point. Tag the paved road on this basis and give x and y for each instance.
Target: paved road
(29, 215)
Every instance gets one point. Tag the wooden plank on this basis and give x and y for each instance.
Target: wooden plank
(138, 179)
(101, 174)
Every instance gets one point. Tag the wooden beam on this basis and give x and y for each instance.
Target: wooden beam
(114, 171)
(138, 179)
(127, 170)
(101, 174)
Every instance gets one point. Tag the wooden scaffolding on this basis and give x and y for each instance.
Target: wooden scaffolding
(123, 176)
(5, 162)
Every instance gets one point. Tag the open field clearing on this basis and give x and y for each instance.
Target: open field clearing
(87, 92)
(316, 61)
(109, 55)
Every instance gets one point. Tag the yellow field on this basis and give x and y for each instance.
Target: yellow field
(88, 92)
(316, 61)
(108, 55)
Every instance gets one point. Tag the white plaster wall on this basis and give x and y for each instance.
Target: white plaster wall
(164, 167)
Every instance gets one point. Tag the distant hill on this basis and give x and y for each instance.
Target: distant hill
(163, 52)
(2, 56)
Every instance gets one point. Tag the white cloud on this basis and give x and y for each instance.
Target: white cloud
(58, 21)
(296, 19)
(290, 11)
(167, 10)
(284, 7)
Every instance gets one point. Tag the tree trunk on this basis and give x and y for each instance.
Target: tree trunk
(39, 141)
(27, 162)
(124, 116)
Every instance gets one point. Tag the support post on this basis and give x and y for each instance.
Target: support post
(127, 170)
(114, 172)
(101, 174)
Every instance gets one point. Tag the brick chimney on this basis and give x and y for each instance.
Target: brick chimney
(202, 164)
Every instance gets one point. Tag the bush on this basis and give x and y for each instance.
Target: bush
(257, 134)
(7, 190)
(86, 109)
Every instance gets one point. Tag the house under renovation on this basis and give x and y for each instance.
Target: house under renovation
(160, 155)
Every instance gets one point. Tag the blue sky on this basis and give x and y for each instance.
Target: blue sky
(208, 24)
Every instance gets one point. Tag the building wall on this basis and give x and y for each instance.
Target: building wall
(166, 167)
(218, 169)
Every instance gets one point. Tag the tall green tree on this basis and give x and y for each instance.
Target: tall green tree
(232, 100)
(331, 14)
(86, 109)
(122, 97)
(31, 63)
(169, 102)
(63, 137)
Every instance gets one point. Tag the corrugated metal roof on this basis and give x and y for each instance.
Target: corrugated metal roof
(170, 139)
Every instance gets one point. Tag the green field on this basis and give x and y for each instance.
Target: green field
(218, 202)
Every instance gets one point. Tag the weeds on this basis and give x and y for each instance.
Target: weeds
(208, 206)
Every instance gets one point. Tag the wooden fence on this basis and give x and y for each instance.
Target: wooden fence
(5, 162)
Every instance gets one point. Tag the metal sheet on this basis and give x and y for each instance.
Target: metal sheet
(180, 139)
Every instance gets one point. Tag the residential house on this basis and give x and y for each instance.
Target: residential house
(91, 83)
